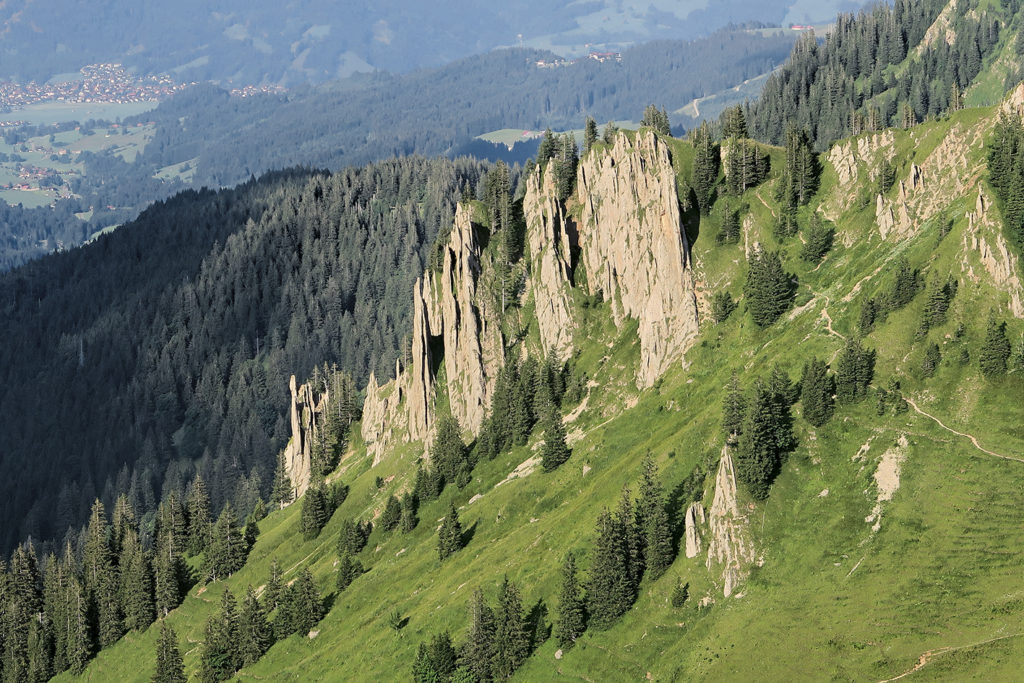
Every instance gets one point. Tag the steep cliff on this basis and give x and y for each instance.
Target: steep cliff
(631, 241)
(634, 247)
(468, 324)
(550, 238)
(729, 543)
(305, 407)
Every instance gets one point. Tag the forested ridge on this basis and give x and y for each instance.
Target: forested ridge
(435, 111)
(166, 347)
(879, 68)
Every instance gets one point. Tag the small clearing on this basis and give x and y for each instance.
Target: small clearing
(887, 479)
(525, 469)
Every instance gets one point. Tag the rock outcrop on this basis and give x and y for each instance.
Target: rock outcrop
(451, 322)
(473, 345)
(550, 238)
(421, 377)
(305, 407)
(729, 543)
(632, 243)
(950, 170)
(380, 413)
(635, 249)
(695, 521)
(846, 158)
(984, 237)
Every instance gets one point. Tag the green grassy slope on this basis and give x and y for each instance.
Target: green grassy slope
(938, 582)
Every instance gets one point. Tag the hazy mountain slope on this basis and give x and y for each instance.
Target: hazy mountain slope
(316, 41)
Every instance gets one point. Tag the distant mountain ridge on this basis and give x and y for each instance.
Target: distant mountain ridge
(311, 41)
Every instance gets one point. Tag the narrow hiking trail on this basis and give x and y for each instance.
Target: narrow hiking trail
(761, 199)
(928, 656)
(828, 320)
(971, 437)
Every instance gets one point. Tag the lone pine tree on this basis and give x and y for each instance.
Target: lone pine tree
(449, 536)
(169, 666)
(995, 351)
(572, 616)
(555, 451)
(769, 289)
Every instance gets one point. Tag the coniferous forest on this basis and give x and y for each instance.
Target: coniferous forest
(738, 404)
(183, 329)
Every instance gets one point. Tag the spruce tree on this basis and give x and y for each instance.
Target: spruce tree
(124, 518)
(930, 361)
(169, 666)
(23, 602)
(281, 493)
(816, 390)
(254, 633)
(449, 537)
(423, 670)
(854, 371)
(547, 148)
(572, 617)
(352, 537)
(40, 650)
(757, 457)
(136, 584)
(478, 651)
(198, 509)
(566, 161)
(220, 657)
(349, 570)
(769, 289)
(733, 409)
(705, 167)
(680, 593)
(314, 512)
(722, 305)
(409, 519)
(307, 605)
(102, 579)
(818, 242)
(79, 641)
(511, 635)
(608, 585)
(632, 539)
(995, 351)
(554, 452)
(54, 606)
(589, 134)
(448, 454)
(167, 580)
(610, 129)
(730, 232)
(273, 587)
(734, 122)
(653, 524)
(227, 549)
(392, 514)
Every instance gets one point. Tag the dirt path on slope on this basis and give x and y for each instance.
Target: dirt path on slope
(761, 199)
(972, 438)
(928, 656)
(828, 320)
